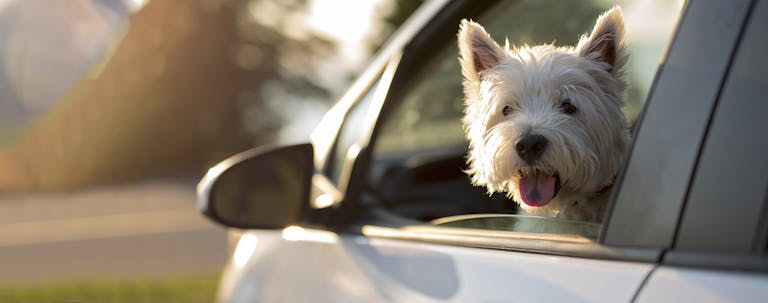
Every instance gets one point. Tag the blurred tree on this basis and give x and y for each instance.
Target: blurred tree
(177, 95)
(191, 83)
(392, 18)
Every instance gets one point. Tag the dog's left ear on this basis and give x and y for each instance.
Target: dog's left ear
(606, 42)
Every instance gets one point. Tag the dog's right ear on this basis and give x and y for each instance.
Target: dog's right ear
(477, 50)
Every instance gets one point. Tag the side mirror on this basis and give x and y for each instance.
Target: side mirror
(260, 188)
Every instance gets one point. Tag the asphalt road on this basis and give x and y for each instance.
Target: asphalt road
(146, 229)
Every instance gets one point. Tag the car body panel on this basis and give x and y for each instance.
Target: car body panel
(650, 195)
(304, 265)
(732, 166)
(704, 286)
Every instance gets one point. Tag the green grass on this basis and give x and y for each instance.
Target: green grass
(187, 289)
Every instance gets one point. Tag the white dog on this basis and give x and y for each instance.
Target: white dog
(545, 123)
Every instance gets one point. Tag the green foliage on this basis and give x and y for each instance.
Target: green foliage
(187, 289)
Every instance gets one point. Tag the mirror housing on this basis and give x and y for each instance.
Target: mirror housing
(261, 188)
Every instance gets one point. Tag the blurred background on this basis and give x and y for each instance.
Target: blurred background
(111, 111)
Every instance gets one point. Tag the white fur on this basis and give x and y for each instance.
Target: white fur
(585, 149)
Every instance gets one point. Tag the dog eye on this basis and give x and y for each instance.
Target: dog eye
(567, 108)
(507, 111)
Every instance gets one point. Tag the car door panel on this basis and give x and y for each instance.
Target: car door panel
(265, 267)
(722, 233)
(353, 268)
(485, 275)
(668, 284)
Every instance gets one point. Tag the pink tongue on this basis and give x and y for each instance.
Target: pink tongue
(537, 189)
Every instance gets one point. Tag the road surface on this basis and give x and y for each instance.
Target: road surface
(146, 229)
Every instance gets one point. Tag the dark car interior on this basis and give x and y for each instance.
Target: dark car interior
(430, 184)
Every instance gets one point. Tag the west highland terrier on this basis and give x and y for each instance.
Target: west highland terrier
(545, 123)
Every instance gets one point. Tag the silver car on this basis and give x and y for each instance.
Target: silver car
(377, 207)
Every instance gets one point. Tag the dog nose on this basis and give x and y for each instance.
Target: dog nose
(530, 147)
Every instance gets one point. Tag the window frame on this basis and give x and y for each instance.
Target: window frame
(376, 81)
(739, 241)
(383, 68)
(650, 192)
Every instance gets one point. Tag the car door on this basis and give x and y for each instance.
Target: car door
(398, 221)
(719, 253)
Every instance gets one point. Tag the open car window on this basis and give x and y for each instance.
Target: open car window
(419, 155)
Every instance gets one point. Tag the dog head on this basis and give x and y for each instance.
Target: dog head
(545, 122)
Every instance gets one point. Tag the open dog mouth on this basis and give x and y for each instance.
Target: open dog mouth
(538, 188)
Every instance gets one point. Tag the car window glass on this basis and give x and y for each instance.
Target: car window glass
(420, 150)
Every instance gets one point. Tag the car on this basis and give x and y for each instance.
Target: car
(377, 207)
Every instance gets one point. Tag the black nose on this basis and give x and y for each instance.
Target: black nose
(531, 147)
